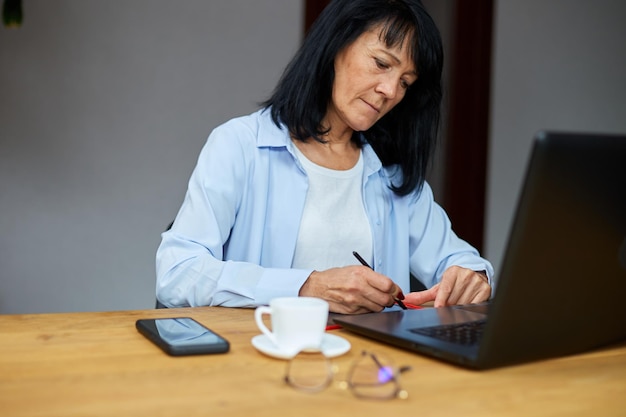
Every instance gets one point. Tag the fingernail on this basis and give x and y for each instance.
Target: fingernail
(400, 295)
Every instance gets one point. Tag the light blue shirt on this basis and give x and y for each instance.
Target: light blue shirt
(234, 238)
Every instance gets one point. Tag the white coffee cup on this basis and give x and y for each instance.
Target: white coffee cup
(298, 323)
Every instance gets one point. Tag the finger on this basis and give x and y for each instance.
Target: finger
(478, 288)
(360, 300)
(382, 290)
(380, 282)
(446, 286)
(482, 294)
(475, 292)
(347, 309)
(480, 298)
(358, 289)
(350, 302)
(458, 286)
(396, 293)
(421, 297)
(466, 287)
(342, 288)
(355, 302)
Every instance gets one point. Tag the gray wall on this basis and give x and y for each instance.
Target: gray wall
(558, 64)
(104, 106)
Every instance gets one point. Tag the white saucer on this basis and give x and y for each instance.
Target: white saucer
(331, 346)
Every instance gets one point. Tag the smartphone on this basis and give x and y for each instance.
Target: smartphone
(179, 336)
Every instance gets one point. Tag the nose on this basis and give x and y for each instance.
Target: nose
(388, 87)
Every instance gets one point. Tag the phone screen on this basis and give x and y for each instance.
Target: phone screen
(182, 336)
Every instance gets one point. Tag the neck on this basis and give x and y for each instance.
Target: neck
(335, 136)
(333, 154)
(338, 131)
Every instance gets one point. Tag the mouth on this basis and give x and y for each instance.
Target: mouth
(375, 108)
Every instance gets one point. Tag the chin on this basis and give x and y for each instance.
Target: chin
(362, 126)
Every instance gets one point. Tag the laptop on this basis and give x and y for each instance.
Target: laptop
(561, 289)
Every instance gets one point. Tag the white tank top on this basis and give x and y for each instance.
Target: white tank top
(334, 223)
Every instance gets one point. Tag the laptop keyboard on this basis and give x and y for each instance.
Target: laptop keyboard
(466, 334)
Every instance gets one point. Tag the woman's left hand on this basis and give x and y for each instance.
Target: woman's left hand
(458, 286)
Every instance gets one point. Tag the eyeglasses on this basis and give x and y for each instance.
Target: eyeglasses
(370, 376)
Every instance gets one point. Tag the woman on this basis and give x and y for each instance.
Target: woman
(333, 163)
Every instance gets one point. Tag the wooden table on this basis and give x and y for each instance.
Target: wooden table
(97, 364)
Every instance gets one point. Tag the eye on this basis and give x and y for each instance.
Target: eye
(407, 82)
(381, 64)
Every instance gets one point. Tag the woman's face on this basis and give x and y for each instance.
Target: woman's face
(370, 79)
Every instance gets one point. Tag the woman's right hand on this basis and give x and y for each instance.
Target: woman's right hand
(352, 289)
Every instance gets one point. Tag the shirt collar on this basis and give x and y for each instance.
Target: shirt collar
(271, 135)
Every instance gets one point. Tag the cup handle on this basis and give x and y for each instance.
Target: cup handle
(258, 317)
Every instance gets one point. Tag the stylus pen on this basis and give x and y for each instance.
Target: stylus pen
(364, 263)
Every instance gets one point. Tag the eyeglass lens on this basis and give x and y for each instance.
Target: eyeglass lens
(310, 371)
(374, 376)
(370, 376)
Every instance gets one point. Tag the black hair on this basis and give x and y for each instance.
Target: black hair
(405, 136)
